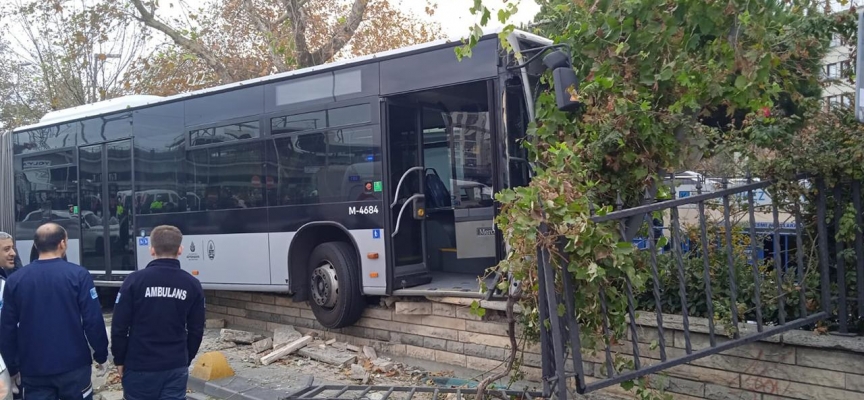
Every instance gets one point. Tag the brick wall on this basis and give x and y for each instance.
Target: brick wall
(801, 368)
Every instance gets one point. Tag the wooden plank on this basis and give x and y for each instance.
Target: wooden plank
(286, 350)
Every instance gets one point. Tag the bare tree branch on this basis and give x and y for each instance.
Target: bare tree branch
(298, 27)
(511, 358)
(149, 19)
(343, 35)
(278, 59)
(282, 19)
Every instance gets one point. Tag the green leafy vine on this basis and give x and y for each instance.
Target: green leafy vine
(665, 85)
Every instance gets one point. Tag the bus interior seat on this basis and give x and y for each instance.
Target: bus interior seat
(440, 220)
(437, 195)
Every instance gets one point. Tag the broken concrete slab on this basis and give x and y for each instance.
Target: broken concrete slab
(358, 372)
(262, 345)
(240, 337)
(286, 350)
(330, 342)
(329, 355)
(216, 323)
(413, 308)
(369, 353)
(497, 305)
(353, 348)
(383, 365)
(284, 335)
(111, 395)
(226, 345)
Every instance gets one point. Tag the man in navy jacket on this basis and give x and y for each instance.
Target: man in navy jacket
(158, 323)
(50, 313)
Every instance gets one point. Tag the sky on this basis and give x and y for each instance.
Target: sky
(456, 20)
(452, 15)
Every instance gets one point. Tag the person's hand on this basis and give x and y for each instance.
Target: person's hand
(16, 383)
(120, 370)
(100, 370)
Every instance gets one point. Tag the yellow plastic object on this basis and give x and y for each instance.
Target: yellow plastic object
(212, 366)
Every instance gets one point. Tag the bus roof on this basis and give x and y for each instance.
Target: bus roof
(140, 101)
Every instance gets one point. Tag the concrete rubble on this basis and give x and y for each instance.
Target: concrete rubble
(239, 337)
(262, 345)
(293, 358)
(357, 363)
(285, 335)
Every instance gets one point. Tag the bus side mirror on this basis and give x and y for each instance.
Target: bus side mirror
(565, 80)
(566, 87)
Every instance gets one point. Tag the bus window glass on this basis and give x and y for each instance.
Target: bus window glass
(226, 133)
(299, 122)
(517, 119)
(48, 160)
(317, 120)
(106, 128)
(457, 146)
(227, 177)
(352, 115)
(325, 167)
(45, 195)
(47, 138)
(236, 103)
(160, 152)
(329, 85)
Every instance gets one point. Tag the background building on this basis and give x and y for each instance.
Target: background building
(837, 67)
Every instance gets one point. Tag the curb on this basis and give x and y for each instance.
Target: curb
(239, 388)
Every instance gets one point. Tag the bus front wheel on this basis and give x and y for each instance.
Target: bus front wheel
(334, 275)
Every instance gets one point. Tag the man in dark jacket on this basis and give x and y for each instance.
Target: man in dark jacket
(51, 318)
(158, 323)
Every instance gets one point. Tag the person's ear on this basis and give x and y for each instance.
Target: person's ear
(152, 252)
(180, 250)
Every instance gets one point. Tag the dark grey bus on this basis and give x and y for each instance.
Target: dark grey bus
(370, 177)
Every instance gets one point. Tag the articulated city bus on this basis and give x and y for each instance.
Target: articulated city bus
(370, 177)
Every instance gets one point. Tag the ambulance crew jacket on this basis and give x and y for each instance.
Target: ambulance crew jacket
(158, 318)
(50, 313)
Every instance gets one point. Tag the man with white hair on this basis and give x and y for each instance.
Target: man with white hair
(9, 263)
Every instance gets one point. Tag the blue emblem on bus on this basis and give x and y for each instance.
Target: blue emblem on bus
(376, 234)
(143, 241)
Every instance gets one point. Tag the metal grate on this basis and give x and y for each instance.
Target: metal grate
(351, 392)
(562, 360)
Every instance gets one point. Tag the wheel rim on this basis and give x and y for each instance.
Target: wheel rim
(325, 285)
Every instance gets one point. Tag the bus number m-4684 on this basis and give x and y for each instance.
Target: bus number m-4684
(365, 210)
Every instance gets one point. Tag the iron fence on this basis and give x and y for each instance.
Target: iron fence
(786, 273)
(350, 392)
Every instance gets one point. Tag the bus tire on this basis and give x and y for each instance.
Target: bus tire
(334, 279)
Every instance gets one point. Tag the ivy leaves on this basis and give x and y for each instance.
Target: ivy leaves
(664, 83)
